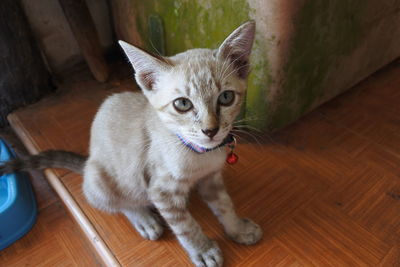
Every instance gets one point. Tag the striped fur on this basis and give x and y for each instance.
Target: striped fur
(46, 159)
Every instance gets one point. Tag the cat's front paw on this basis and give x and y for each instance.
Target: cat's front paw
(248, 232)
(211, 256)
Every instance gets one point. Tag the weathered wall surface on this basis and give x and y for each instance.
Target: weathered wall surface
(24, 78)
(305, 53)
(334, 45)
(54, 35)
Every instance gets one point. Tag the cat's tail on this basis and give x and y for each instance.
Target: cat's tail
(46, 159)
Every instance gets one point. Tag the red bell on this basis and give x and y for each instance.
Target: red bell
(232, 158)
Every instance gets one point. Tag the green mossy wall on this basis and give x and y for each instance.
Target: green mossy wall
(326, 30)
(192, 24)
(205, 24)
(324, 33)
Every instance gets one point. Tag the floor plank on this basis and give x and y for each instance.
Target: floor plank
(55, 240)
(326, 190)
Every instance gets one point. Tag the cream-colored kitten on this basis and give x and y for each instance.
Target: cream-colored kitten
(149, 149)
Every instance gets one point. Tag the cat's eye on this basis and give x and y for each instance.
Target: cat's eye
(226, 98)
(182, 104)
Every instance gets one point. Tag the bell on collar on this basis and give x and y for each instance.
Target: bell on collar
(232, 158)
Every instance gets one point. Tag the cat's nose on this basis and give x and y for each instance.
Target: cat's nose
(210, 132)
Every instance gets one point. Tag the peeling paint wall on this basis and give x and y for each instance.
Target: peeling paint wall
(305, 52)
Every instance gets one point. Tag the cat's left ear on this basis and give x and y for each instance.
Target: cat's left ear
(237, 48)
(147, 67)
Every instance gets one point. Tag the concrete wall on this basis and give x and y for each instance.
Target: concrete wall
(306, 51)
(54, 35)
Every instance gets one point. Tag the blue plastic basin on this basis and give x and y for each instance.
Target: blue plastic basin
(17, 202)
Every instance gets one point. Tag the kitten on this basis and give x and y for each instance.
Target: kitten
(149, 149)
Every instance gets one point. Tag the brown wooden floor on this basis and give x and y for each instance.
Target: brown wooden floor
(326, 190)
(55, 239)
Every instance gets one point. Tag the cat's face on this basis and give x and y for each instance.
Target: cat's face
(197, 94)
(199, 97)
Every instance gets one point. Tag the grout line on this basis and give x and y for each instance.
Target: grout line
(370, 141)
(87, 227)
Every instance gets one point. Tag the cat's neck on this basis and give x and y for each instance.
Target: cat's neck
(167, 150)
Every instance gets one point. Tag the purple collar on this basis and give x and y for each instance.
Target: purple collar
(199, 149)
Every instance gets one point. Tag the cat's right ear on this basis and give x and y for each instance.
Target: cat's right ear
(147, 67)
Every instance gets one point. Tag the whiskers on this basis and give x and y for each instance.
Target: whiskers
(248, 136)
(250, 133)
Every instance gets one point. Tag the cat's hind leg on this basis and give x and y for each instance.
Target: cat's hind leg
(99, 189)
(145, 221)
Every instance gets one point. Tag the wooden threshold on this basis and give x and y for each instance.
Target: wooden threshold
(73, 207)
(325, 190)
